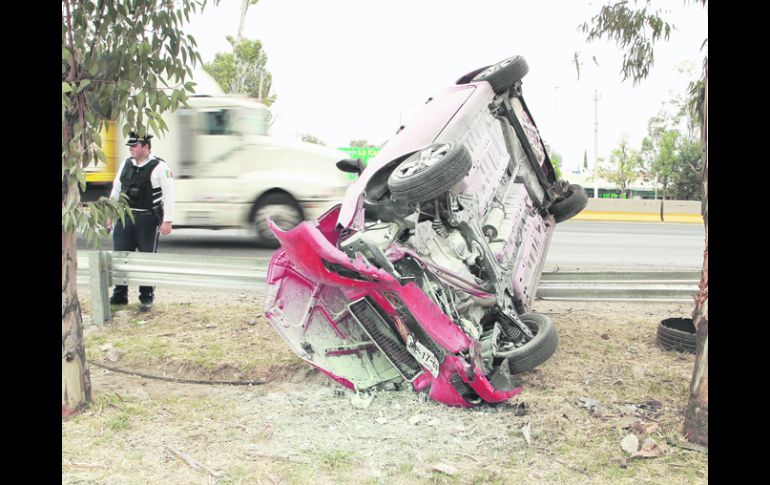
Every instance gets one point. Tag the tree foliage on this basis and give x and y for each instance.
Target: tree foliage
(686, 183)
(306, 137)
(623, 167)
(243, 70)
(635, 30)
(360, 143)
(672, 151)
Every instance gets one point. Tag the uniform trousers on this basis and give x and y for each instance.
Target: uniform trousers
(140, 235)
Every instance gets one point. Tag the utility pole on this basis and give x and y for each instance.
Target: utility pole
(596, 139)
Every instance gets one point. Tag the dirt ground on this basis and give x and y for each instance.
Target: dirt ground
(608, 383)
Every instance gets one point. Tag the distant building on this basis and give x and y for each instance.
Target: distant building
(600, 188)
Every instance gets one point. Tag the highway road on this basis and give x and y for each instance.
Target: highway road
(627, 244)
(574, 244)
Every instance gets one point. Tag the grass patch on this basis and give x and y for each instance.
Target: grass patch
(194, 341)
(298, 430)
(336, 459)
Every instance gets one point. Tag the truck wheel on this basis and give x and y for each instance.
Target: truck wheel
(573, 202)
(504, 74)
(284, 212)
(430, 172)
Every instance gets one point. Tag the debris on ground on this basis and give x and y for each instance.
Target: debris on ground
(630, 444)
(650, 449)
(520, 408)
(113, 354)
(445, 469)
(362, 400)
(525, 430)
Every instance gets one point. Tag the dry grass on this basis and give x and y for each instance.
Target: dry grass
(215, 341)
(302, 428)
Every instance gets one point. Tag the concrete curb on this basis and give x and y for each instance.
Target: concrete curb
(637, 217)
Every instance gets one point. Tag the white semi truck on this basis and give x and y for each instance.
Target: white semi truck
(228, 173)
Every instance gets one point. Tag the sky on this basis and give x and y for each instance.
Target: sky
(358, 69)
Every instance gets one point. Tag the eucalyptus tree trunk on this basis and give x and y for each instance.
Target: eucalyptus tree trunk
(75, 378)
(244, 8)
(696, 421)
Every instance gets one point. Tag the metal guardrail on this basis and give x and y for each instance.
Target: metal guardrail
(637, 285)
(151, 269)
(102, 269)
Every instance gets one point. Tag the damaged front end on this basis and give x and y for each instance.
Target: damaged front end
(365, 326)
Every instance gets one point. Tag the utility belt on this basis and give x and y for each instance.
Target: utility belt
(155, 211)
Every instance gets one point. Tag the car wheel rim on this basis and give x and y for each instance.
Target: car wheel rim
(493, 69)
(427, 159)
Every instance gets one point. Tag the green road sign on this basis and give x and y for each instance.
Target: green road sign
(364, 153)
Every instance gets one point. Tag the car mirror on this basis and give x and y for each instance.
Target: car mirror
(351, 165)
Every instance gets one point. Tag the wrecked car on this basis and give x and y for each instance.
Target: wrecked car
(427, 271)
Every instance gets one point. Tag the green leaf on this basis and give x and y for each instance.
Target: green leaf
(66, 87)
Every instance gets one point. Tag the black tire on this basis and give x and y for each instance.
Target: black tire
(282, 209)
(677, 334)
(430, 172)
(504, 74)
(571, 205)
(537, 350)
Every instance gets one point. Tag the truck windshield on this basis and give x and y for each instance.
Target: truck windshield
(253, 121)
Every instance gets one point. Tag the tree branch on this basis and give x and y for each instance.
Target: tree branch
(73, 62)
(98, 24)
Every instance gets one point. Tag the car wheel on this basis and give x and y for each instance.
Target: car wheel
(677, 334)
(284, 212)
(430, 172)
(504, 74)
(539, 349)
(568, 207)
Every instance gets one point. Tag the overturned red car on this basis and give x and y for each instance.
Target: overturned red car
(426, 273)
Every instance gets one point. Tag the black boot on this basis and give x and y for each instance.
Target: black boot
(146, 297)
(119, 295)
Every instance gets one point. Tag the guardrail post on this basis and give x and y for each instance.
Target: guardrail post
(98, 266)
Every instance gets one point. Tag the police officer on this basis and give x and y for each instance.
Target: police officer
(149, 184)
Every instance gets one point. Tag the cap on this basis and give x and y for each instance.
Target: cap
(133, 139)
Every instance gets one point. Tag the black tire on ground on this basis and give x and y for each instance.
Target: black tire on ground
(537, 350)
(430, 172)
(571, 205)
(504, 74)
(282, 209)
(677, 334)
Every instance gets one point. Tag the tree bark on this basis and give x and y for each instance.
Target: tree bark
(242, 22)
(662, 201)
(75, 378)
(696, 424)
